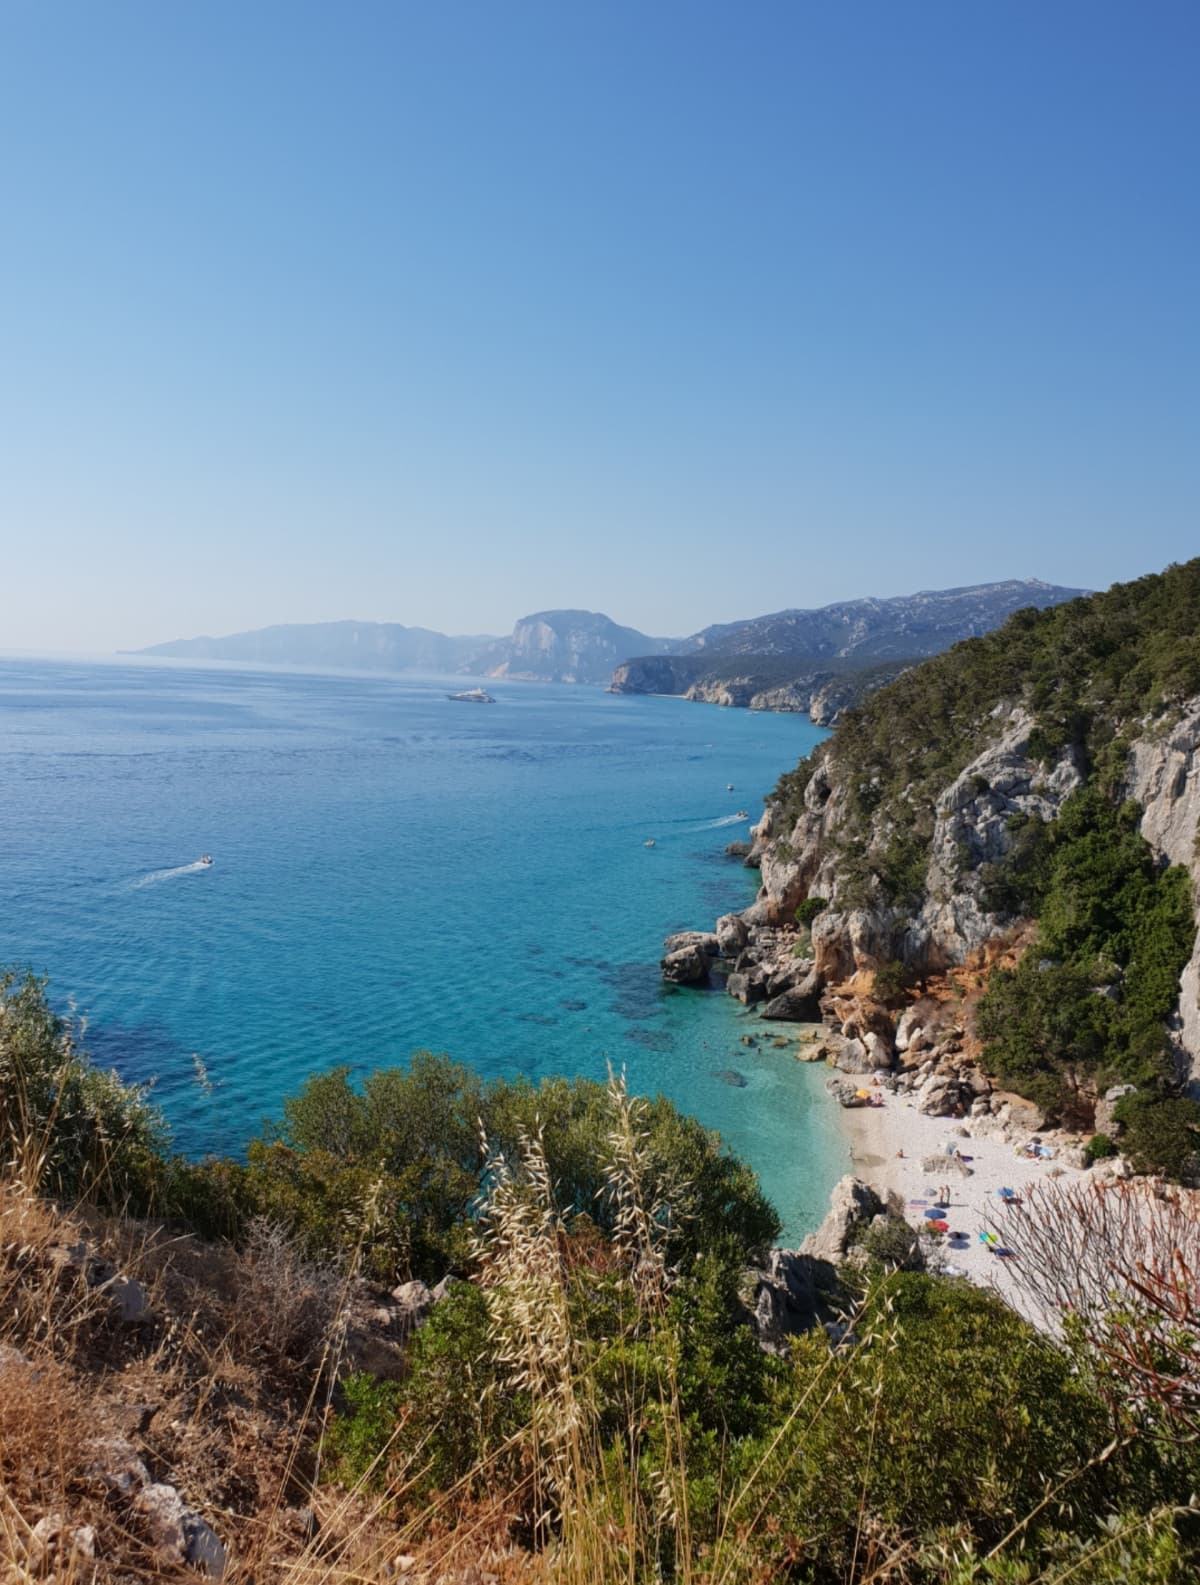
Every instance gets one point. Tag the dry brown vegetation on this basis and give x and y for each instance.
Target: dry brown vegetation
(214, 1387)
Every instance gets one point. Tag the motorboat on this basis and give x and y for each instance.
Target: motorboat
(472, 696)
(206, 859)
(742, 814)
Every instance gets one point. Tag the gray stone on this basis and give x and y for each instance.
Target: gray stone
(413, 1302)
(11, 1358)
(787, 1295)
(852, 1204)
(746, 988)
(131, 1299)
(1105, 1120)
(879, 1049)
(685, 966)
(852, 1056)
(179, 1534)
(115, 1461)
(702, 940)
(732, 934)
(795, 1006)
(53, 1542)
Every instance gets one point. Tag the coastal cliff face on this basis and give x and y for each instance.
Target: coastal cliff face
(564, 646)
(975, 817)
(1039, 786)
(821, 693)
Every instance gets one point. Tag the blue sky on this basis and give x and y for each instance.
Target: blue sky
(444, 313)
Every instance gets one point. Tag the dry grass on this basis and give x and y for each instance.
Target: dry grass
(221, 1387)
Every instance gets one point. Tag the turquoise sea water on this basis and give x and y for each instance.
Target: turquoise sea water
(392, 871)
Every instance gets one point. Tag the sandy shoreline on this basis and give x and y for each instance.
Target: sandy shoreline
(887, 1145)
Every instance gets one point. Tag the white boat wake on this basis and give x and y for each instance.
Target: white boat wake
(725, 820)
(153, 878)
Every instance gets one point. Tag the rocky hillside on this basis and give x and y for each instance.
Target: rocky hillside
(820, 689)
(826, 660)
(565, 646)
(911, 624)
(1031, 796)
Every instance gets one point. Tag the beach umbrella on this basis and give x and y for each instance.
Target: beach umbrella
(933, 1216)
(940, 1227)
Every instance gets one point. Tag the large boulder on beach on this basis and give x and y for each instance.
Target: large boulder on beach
(732, 934)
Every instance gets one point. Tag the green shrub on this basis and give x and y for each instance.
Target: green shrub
(362, 1432)
(809, 909)
(75, 1129)
(892, 980)
(1161, 1133)
(1090, 999)
(893, 1244)
(1100, 1147)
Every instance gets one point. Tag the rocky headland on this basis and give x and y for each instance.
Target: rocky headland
(964, 831)
(823, 661)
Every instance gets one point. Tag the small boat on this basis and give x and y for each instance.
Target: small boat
(649, 844)
(472, 696)
(742, 814)
(728, 786)
(206, 859)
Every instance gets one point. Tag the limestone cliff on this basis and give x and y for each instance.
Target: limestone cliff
(910, 820)
(757, 682)
(564, 646)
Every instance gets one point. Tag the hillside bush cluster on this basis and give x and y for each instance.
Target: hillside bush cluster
(592, 1385)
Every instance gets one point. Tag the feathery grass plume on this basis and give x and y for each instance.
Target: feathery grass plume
(641, 1228)
(523, 1273)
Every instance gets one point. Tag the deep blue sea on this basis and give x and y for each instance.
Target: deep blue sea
(391, 871)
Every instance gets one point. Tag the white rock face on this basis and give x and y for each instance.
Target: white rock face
(971, 829)
(1164, 777)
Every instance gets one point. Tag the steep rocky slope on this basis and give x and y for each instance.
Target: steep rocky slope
(826, 660)
(564, 646)
(820, 689)
(904, 625)
(931, 833)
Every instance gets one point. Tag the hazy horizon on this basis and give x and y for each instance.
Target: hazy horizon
(500, 632)
(681, 313)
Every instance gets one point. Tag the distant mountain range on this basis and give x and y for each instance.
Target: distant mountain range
(905, 625)
(782, 661)
(364, 646)
(549, 646)
(824, 660)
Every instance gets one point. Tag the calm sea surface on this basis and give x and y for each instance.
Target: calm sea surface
(392, 871)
